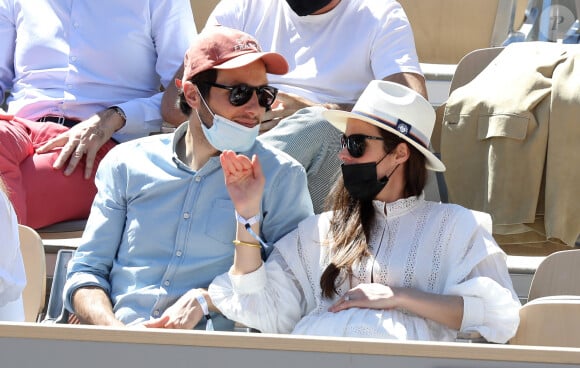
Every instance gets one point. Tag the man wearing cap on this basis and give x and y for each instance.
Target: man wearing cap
(162, 224)
(335, 48)
(385, 263)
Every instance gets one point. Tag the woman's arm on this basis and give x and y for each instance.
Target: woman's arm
(444, 309)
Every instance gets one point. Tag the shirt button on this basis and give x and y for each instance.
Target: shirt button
(73, 58)
(156, 313)
(166, 283)
(198, 179)
(186, 215)
(178, 253)
(76, 24)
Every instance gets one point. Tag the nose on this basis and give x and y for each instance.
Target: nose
(253, 107)
(344, 156)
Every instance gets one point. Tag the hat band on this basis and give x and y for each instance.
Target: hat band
(401, 126)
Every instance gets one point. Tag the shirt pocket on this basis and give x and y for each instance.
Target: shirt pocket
(502, 126)
(221, 221)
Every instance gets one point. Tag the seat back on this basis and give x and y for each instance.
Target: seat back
(55, 311)
(549, 321)
(551, 317)
(557, 274)
(446, 30)
(34, 293)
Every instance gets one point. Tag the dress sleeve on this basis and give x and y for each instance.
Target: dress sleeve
(12, 274)
(269, 299)
(481, 277)
(490, 304)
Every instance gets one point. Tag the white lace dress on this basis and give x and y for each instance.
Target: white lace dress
(434, 247)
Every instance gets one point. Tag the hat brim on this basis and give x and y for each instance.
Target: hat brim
(275, 63)
(339, 120)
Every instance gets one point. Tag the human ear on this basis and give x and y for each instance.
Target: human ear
(191, 94)
(402, 153)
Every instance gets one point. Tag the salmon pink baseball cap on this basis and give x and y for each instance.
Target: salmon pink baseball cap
(220, 47)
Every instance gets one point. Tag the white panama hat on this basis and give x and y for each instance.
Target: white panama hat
(398, 110)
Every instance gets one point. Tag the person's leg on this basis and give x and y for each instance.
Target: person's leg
(315, 143)
(51, 196)
(15, 147)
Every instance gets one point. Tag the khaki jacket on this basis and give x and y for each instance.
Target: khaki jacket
(511, 140)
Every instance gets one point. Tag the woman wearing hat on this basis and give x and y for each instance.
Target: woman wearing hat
(384, 262)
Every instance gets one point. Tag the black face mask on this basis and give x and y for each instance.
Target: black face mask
(307, 7)
(360, 180)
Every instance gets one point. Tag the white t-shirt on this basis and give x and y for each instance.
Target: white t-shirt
(12, 274)
(332, 56)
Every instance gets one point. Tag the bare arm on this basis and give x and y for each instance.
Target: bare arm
(444, 309)
(411, 80)
(169, 109)
(93, 306)
(287, 104)
(185, 313)
(245, 183)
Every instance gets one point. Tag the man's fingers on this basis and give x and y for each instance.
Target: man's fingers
(257, 167)
(53, 143)
(66, 152)
(90, 162)
(75, 158)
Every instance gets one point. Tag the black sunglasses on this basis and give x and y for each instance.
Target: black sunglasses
(240, 94)
(356, 143)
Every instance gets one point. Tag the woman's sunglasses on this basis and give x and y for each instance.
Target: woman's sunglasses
(240, 94)
(356, 143)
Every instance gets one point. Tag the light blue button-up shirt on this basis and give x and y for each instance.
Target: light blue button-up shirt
(158, 229)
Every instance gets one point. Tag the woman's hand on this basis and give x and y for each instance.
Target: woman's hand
(444, 309)
(244, 182)
(184, 314)
(370, 296)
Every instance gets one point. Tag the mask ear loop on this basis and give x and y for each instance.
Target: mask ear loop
(205, 103)
(387, 177)
(206, 106)
(384, 179)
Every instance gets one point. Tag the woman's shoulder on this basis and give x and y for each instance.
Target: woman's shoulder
(312, 230)
(464, 216)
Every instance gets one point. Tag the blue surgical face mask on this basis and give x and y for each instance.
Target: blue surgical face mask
(225, 134)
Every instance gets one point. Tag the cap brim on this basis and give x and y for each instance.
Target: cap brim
(275, 63)
(339, 120)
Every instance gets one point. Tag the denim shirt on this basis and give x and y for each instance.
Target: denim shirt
(158, 229)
